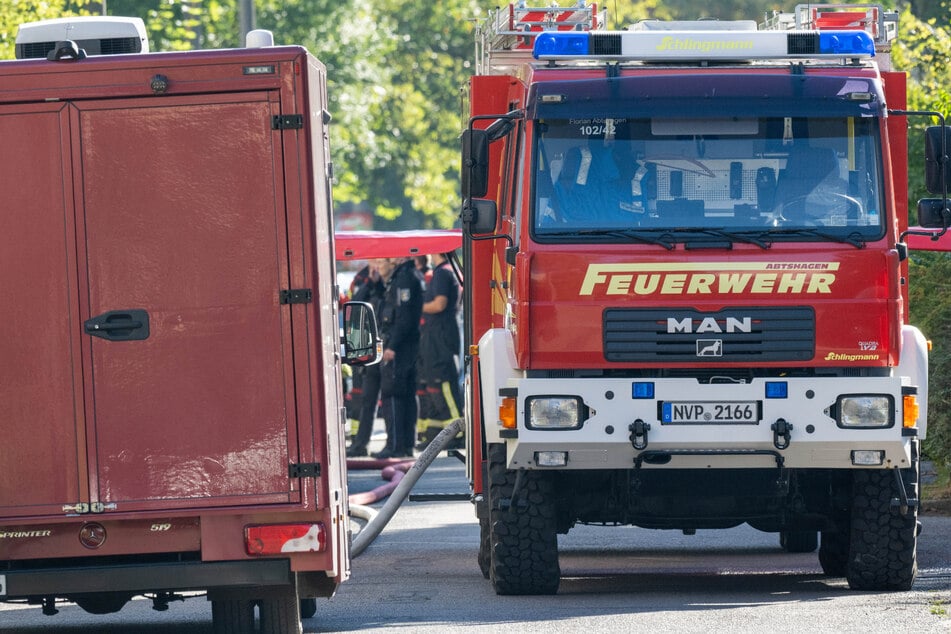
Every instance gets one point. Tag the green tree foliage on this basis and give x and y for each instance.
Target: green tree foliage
(180, 25)
(395, 70)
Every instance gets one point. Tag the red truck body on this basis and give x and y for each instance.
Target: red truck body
(171, 380)
(687, 367)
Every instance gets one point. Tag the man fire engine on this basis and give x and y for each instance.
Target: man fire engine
(687, 294)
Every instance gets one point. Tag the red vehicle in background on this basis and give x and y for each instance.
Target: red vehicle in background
(687, 299)
(175, 422)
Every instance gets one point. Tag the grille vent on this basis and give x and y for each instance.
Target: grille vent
(643, 335)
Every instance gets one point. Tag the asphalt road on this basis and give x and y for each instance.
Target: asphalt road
(421, 575)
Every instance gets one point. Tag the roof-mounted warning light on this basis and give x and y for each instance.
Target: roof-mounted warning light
(698, 45)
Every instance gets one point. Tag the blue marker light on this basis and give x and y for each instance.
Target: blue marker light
(551, 44)
(777, 389)
(642, 390)
(846, 43)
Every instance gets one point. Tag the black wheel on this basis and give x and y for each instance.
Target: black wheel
(883, 541)
(308, 608)
(799, 541)
(522, 537)
(232, 616)
(280, 613)
(485, 554)
(834, 551)
(102, 603)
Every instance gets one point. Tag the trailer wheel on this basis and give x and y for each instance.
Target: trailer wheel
(485, 554)
(799, 541)
(883, 541)
(834, 551)
(522, 537)
(232, 616)
(280, 613)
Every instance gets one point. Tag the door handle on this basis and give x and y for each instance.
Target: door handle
(119, 325)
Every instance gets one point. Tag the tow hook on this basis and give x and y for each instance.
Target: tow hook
(639, 431)
(781, 433)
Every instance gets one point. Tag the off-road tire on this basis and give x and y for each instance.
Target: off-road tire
(883, 542)
(799, 541)
(522, 536)
(280, 614)
(232, 616)
(834, 551)
(485, 554)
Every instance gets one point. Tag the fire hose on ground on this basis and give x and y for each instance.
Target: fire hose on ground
(402, 477)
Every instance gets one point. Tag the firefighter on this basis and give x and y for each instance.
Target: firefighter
(399, 325)
(440, 398)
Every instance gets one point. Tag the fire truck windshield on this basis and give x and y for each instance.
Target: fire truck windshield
(796, 178)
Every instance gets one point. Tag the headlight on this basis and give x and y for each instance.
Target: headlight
(865, 411)
(555, 412)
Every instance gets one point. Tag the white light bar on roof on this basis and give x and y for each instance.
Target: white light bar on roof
(674, 46)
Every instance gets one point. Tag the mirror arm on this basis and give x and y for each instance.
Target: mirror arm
(944, 183)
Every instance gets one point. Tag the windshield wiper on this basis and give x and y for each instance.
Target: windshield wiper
(732, 236)
(855, 238)
(637, 235)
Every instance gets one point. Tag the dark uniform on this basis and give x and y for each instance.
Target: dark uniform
(440, 399)
(399, 325)
(365, 393)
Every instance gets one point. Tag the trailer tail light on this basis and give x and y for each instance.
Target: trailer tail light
(274, 539)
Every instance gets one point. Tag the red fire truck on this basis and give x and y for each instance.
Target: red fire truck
(176, 423)
(687, 294)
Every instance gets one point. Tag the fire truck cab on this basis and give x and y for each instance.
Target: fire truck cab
(687, 297)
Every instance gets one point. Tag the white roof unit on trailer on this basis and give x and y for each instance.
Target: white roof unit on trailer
(97, 35)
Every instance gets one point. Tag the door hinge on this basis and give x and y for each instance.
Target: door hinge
(304, 470)
(81, 508)
(297, 296)
(287, 122)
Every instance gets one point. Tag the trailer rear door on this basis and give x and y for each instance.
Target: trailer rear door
(41, 405)
(184, 256)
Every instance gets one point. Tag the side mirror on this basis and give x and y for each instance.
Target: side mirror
(480, 216)
(937, 163)
(933, 214)
(361, 341)
(475, 163)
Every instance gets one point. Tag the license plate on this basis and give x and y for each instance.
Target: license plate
(709, 412)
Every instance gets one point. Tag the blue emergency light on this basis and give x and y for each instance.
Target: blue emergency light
(561, 44)
(777, 389)
(740, 45)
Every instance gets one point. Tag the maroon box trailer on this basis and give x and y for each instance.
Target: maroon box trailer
(170, 387)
